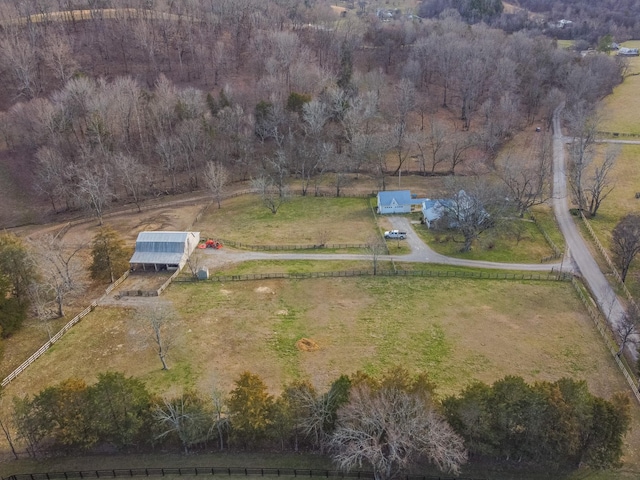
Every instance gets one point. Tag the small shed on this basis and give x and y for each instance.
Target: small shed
(163, 250)
(397, 201)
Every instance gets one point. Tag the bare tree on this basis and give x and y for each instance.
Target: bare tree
(389, 429)
(59, 57)
(625, 242)
(432, 146)
(583, 127)
(458, 144)
(600, 184)
(264, 186)
(528, 178)
(132, 175)
(221, 423)
(60, 268)
(187, 416)
(376, 247)
(404, 100)
(7, 427)
(93, 188)
(216, 177)
(628, 328)
(475, 205)
(157, 327)
(19, 57)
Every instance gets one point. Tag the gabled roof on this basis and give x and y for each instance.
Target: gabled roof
(160, 247)
(401, 197)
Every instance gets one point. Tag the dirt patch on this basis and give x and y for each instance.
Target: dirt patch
(307, 345)
(264, 290)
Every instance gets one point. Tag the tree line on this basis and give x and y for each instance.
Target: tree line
(38, 277)
(318, 104)
(388, 423)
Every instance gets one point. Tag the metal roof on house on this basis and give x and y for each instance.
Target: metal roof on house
(402, 197)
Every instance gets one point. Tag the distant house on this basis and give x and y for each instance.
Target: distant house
(397, 201)
(163, 250)
(628, 52)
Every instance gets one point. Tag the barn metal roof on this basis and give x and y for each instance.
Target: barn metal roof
(161, 247)
(157, 258)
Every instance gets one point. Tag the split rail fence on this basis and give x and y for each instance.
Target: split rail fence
(607, 259)
(62, 331)
(603, 327)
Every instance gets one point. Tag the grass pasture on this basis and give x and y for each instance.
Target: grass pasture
(458, 330)
(300, 221)
(621, 110)
(491, 329)
(620, 202)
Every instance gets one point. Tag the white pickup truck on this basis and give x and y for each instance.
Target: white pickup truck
(395, 234)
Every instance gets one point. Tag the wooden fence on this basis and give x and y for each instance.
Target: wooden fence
(557, 252)
(609, 339)
(607, 259)
(326, 246)
(560, 276)
(617, 134)
(59, 335)
(216, 471)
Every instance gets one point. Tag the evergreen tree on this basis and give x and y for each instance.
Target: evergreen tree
(110, 256)
(250, 408)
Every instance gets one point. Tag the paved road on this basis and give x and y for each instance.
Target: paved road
(420, 253)
(577, 251)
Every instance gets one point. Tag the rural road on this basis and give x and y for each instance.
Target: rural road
(576, 250)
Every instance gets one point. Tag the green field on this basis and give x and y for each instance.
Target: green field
(299, 221)
(522, 242)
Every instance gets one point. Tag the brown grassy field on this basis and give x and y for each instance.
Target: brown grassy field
(493, 328)
(621, 110)
(487, 330)
(483, 331)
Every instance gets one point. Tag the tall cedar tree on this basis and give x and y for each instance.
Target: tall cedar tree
(110, 256)
(250, 409)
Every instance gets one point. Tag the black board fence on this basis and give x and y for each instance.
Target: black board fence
(326, 246)
(553, 276)
(214, 471)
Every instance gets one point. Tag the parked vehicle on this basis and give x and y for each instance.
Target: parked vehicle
(395, 234)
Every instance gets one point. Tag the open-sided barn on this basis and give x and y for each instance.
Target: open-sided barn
(163, 250)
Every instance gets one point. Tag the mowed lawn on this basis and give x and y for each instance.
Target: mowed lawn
(299, 221)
